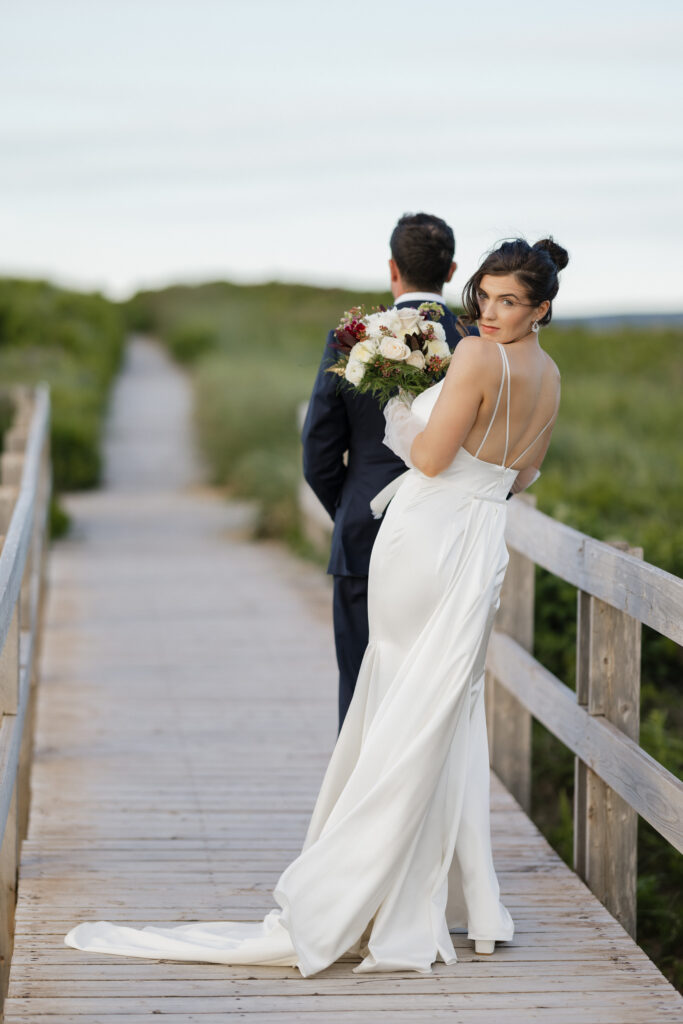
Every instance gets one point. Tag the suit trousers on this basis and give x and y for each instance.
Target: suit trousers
(350, 615)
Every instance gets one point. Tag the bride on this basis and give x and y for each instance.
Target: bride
(398, 848)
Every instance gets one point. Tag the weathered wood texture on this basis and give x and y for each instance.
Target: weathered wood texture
(186, 717)
(508, 721)
(619, 578)
(655, 793)
(24, 498)
(620, 780)
(608, 684)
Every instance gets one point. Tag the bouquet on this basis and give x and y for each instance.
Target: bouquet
(392, 348)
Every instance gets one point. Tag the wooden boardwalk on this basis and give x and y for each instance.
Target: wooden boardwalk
(187, 710)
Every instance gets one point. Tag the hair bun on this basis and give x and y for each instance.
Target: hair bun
(558, 255)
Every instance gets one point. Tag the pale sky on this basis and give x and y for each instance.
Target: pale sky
(150, 141)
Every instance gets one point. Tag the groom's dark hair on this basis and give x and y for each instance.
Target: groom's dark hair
(423, 246)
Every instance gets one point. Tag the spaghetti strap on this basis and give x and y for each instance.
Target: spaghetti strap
(536, 438)
(500, 392)
(507, 418)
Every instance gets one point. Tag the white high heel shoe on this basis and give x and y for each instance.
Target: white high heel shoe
(484, 946)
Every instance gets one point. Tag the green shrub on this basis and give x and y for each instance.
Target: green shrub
(76, 460)
(189, 341)
(59, 519)
(249, 434)
(74, 343)
(6, 416)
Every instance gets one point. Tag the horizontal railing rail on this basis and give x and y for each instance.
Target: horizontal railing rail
(643, 591)
(25, 487)
(655, 793)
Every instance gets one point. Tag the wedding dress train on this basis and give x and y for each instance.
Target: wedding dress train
(398, 847)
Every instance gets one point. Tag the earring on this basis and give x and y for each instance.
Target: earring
(534, 327)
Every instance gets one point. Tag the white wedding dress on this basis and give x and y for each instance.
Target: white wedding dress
(398, 847)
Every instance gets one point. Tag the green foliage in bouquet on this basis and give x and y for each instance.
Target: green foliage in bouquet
(383, 379)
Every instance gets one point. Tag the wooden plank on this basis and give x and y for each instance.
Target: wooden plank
(424, 1003)
(18, 535)
(612, 689)
(8, 892)
(337, 977)
(101, 988)
(300, 1012)
(580, 814)
(9, 671)
(509, 720)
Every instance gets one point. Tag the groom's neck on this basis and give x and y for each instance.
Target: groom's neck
(410, 295)
(400, 287)
(409, 290)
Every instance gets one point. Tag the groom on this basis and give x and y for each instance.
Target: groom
(340, 420)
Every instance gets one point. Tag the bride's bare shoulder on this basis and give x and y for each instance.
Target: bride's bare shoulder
(476, 350)
(553, 367)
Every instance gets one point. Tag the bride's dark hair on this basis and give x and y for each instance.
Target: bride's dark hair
(536, 266)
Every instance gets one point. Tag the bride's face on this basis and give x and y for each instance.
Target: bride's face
(505, 311)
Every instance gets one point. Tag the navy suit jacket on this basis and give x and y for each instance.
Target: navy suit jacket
(338, 420)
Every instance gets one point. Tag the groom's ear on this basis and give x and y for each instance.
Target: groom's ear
(393, 271)
(452, 270)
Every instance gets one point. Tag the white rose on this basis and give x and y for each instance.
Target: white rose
(439, 349)
(417, 359)
(410, 320)
(363, 351)
(355, 371)
(387, 320)
(393, 348)
(434, 329)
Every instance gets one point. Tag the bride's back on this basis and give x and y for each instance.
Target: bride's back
(522, 374)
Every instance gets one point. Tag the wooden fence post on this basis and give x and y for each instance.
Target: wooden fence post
(607, 684)
(9, 844)
(508, 721)
(9, 699)
(9, 860)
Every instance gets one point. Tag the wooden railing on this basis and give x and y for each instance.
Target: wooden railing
(615, 779)
(25, 484)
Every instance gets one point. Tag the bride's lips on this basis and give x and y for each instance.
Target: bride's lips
(484, 327)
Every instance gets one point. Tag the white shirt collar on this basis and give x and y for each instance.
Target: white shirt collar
(420, 297)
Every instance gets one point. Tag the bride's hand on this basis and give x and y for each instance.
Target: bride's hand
(406, 397)
(402, 428)
(525, 478)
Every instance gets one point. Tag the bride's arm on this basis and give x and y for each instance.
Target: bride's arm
(455, 410)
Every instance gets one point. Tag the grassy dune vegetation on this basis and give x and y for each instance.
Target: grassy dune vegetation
(615, 471)
(74, 343)
(254, 352)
